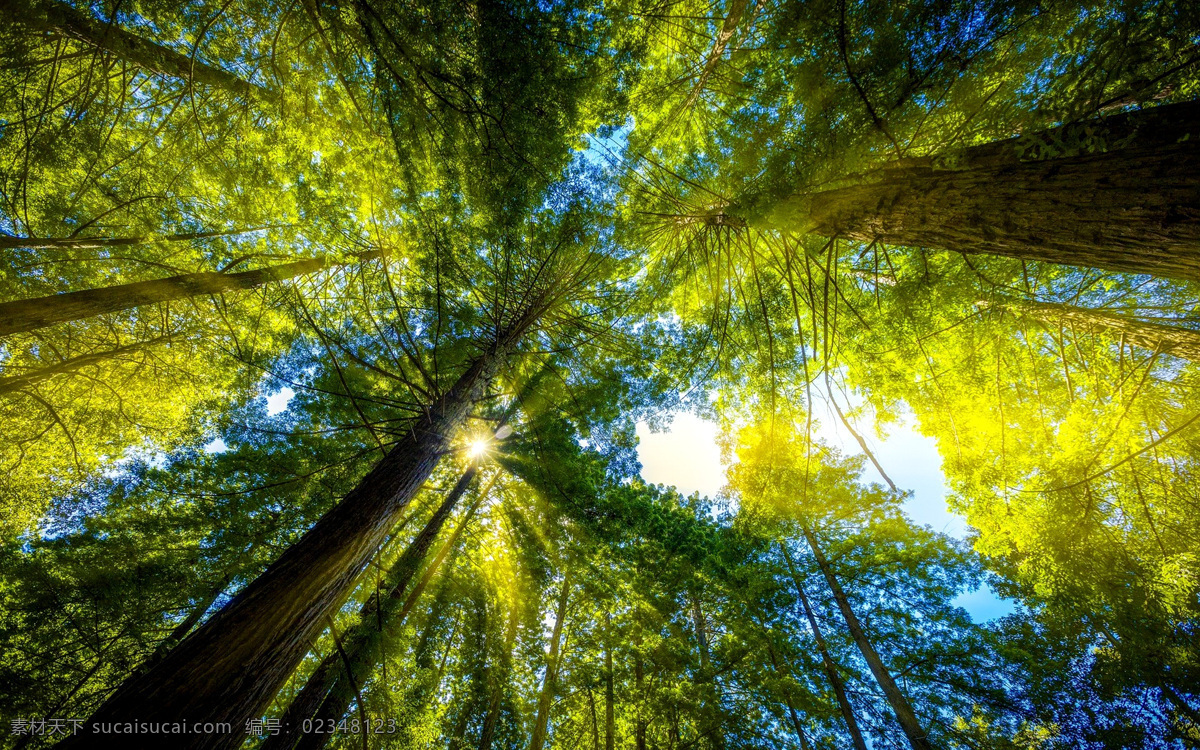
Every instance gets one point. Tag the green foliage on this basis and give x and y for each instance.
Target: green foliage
(598, 175)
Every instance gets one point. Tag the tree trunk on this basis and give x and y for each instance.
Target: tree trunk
(14, 383)
(787, 698)
(233, 665)
(595, 721)
(363, 662)
(610, 732)
(1168, 339)
(831, 669)
(30, 314)
(701, 634)
(374, 618)
(91, 243)
(905, 715)
(737, 8)
(1133, 208)
(493, 713)
(181, 630)
(53, 17)
(639, 676)
(542, 723)
(706, 676)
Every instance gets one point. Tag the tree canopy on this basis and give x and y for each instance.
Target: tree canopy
(327, 330)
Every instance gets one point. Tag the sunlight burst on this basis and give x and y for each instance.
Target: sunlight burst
(477, 447)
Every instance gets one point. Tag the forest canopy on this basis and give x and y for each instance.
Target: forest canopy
(327, 330)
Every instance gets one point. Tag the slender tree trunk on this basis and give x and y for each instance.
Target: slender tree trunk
(327, 694)
(232, 666)
(831, 669)
(639, 676)
(1168, 339)
(1133, 208)
(787, 698)
(595, 720)
(493, 713)
(92, 243)
(701, 633)
(907, 718)
(374, 619)
(610, 724)
(59, 18)
(545, 698)
(706, 676)
(30, 314)
(737, 8)
(28, 378)
(358, 666)
(180, 631)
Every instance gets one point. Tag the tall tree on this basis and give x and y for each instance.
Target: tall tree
(52, 16)
(272, 621)
(831, 669)
(541, 724)
(19, 316)
(1021, 198)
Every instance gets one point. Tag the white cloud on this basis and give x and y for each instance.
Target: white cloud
(686, 456)
(278, 401)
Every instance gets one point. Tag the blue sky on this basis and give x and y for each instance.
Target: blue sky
(688, 458)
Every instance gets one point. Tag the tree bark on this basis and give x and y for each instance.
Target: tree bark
(542, 723)
(737, 8)
(907, 718)
(831, 669)
(374, 619)
(701, 633)
(1131, 206)
(716, 734)
(92, 243)
(639, 676)
(1168, 339)
(180, 631)
(363, 661)
(23, 315)
(610, 724)
(232, 666)
(61, 19)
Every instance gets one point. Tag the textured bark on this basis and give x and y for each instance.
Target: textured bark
(907, 718)
(542, 723)
(610, 724)
(737, 8)
(93, 243)
(233, 665)
(701, 633)
(375, 617)
(358, 666)
(30, 314)
(1132, 208)
(14, 383)
(831, 669)
(639, 676)
(180, 631)
(1168, 339)
(58, 18)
